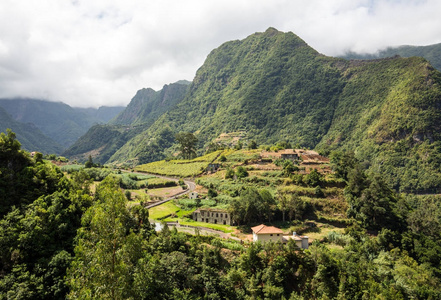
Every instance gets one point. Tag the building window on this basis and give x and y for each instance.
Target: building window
(271, 234)
(202, 213)
(222, 216)
(277, 234)
(217, 215)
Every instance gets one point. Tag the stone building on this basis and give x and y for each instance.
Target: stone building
(214, 216)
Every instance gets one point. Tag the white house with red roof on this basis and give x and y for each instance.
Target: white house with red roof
(263, 233)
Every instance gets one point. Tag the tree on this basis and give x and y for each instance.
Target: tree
(89, 162)
(292, 204)
(268, 204)
(252, 145)
(187, 144)
(229, 174)
(314, 178)
(104, 251)
(241, 172)
(342, 163)
(288, 167)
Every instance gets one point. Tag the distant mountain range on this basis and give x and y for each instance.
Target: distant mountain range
(274, 87)
(432, 53)
(30, 137)
(60, 123)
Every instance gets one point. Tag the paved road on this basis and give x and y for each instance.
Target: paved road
(190, 184)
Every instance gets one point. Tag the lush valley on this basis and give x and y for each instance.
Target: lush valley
(85, 231)
(273, 87)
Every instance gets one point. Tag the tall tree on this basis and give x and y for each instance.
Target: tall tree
(103, 254)
(187, 144)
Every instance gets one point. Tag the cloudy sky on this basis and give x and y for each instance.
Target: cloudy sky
(90, 53)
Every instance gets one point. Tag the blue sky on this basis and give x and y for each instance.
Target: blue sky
(91, 53)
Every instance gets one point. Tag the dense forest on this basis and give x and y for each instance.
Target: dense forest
(60, 238)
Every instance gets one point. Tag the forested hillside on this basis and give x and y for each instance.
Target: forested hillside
(101, 142)
(274, 87)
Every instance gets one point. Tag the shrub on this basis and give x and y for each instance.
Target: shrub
(241, 172)
(229, 174)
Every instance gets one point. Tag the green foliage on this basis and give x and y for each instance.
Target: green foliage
(292, 204)
(314, 178)
(229, 174)
(89, 162)
(187, 144)
(38, 224)
(430, 52)
(55, 121)
(252, 206)
(241, 172)
(31, 138)
(147, 105)
(281, 90)
(252, 144)
(371, 201)
(107, 249)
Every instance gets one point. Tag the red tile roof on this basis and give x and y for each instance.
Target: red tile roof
(263, 229)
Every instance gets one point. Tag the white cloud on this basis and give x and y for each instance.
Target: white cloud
(91, 53)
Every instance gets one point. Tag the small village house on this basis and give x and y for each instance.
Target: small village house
(263, 233)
